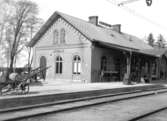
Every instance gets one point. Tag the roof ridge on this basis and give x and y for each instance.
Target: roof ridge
(72, 16)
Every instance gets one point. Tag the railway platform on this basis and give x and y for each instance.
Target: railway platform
(44, 97)
(46, 93)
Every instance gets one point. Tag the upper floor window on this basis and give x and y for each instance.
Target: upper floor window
(76, 65)
(55, 37)
(62, 35)
(59, 65)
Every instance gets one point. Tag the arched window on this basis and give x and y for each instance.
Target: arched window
(104, 63)
(62, 35)
(76, 65)
(55, 37)
(59, 65)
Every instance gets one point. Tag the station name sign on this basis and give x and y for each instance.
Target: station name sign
(58, 51)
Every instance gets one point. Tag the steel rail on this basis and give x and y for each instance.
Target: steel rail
(148, 114)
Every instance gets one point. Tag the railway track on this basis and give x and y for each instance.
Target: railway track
(65, 105)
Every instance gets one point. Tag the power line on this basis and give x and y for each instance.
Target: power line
(134, 13)
(126, 2)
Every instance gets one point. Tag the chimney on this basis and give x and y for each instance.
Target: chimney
(116, 27)
(93, 20)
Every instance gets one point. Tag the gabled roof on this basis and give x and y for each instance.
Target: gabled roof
(95, 33)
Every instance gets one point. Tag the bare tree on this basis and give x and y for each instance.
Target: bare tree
(16, 27)
(33, 27)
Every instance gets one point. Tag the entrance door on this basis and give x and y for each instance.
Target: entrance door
(43, 65)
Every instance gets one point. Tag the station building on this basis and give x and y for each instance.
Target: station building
(89, 51)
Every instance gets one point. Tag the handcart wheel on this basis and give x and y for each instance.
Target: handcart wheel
(4, 88)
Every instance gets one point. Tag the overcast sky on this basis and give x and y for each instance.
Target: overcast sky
(141, 21)
(152, 19)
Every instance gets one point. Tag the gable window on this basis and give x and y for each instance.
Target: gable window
(104, 63)
(76, 65)
(55, 36)
(62, 35)
(59, 65)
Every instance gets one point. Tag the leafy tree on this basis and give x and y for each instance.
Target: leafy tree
(161, 41)
(150, 39)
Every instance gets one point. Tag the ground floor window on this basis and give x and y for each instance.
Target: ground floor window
(76, 65)
(59, 65)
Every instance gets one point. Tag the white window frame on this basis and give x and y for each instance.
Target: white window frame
(77, 65)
